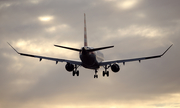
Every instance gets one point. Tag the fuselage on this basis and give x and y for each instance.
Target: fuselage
(92, 59)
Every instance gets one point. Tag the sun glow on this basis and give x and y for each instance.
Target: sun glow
(124, 4)
(46, 18)
(127, 4)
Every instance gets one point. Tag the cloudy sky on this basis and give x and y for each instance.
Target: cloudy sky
(135, 27)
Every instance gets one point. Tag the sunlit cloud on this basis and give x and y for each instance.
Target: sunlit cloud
(53, 29)
(136, 30)
(166, 101)
(45, 18)
(32, 47)
(4, 5)
(21, 43)
(127, 4)
(145, 31)
(28, 46)
(35, 1)
(124, 4)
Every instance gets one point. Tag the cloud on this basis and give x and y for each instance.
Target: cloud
(136, 28)
(45, 18)
(127, 4)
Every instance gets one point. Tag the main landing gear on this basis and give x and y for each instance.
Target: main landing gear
(75, 71)
(104, 72)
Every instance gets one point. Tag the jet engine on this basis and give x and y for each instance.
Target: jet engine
(115, 68)
(69, 67)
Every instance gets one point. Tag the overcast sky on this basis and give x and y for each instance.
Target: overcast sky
(135, 27)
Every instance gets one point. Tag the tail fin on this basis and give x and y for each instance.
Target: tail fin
(85, 32)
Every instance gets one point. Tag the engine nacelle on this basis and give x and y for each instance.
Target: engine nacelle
(69, 67)
(115, 68)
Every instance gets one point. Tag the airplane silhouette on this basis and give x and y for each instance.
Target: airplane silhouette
(91, 58)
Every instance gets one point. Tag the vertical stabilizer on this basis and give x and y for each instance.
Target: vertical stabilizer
(85, 32)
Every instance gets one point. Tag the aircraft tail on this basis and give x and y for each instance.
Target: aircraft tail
(85, 42)
(85, 32)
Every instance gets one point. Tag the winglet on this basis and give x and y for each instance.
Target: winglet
(13, 48)
(167, 50)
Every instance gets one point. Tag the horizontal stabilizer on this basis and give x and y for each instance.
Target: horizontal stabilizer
(68, 48)
(101, 48)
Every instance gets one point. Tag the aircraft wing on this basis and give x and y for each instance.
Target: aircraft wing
(49, 58)
(133, 59)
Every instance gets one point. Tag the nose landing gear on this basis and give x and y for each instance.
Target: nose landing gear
(96, 76)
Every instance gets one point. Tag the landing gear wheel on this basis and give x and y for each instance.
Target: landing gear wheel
(107, 73)
(73, 73)
(104, 73)
(77, 73)
(95, 76)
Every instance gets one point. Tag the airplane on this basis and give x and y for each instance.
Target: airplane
(91, 58)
